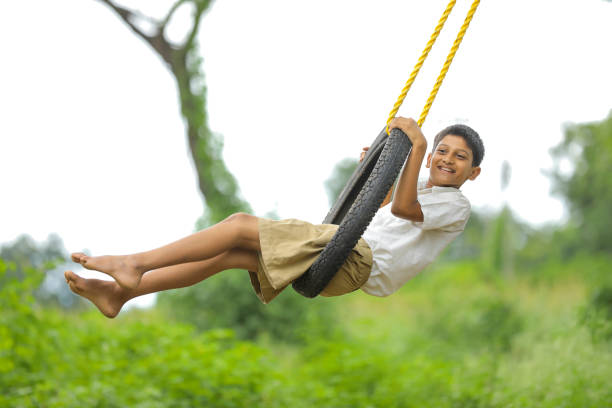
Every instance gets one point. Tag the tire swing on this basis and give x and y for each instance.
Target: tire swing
(374, 177)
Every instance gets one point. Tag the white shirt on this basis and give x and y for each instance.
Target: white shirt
(402, 248)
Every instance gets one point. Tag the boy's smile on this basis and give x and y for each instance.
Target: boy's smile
(451, 163)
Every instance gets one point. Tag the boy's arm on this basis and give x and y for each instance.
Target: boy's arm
(387, 199)
(405, 204)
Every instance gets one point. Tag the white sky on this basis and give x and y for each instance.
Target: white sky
(92, 145)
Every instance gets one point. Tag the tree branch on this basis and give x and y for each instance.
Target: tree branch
(127, 15)
(201, 6)
(166, 20)
(216, 183)
(158, 42)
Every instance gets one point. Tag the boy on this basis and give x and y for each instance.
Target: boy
(401, 240)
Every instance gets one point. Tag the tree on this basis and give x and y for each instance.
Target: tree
(226, 300)
(587, 188)
(216, 183)
(24, 255)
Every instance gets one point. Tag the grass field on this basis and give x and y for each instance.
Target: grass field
(453, 337)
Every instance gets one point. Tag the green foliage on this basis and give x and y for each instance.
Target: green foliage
(498, 244)
(339, 177)
(496, 240)
(596, 315)
(56, 360)
(587, 189)
(470, 244)
(49, 256)
(24, 252)
(451, 338)
(486, 323)
(230, 302)
(602, 300)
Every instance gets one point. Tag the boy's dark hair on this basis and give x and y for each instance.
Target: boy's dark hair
(469, 135)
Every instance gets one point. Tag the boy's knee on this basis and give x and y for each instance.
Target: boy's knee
(245, 228)
(242, 222)
(239, 217)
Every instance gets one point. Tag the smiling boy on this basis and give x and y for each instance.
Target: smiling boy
(424, 216)
(402, 239)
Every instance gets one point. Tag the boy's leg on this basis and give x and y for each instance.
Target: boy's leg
(109, 296)
(239, 231)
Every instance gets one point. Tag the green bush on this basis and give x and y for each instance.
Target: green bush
(601, 300)
(451, 338)
(596, 314)
(52, 359)
(229, 302)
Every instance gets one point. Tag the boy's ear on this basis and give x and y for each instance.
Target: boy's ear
(475, 173)
(428, 164)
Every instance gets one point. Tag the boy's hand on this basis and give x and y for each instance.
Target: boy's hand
(405, 201)
(410, 127)
(363, 153)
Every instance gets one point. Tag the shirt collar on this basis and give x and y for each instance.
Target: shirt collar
(422, 186)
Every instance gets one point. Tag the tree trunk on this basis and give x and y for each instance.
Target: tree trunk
(217, 185)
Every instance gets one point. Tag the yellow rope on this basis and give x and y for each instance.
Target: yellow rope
(421, 60)
(446, 66)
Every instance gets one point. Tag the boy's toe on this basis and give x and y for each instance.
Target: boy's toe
(72, 286)
(77, 256)
(70, 276)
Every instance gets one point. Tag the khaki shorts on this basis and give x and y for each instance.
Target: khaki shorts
(289, 247)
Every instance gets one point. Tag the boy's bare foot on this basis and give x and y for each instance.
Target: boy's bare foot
(123, 269)
(108, 296)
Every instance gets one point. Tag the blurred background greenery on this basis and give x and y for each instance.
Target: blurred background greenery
(511, 315)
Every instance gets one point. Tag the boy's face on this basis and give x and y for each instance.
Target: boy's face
(451, 163)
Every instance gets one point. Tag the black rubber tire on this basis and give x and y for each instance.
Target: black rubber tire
(352, 226)
(355, 183)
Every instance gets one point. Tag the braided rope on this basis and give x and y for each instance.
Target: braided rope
(449, 60)
(445, 67)
(421, 60)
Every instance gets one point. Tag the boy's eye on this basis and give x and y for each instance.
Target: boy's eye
(441, 151)
(461, 156)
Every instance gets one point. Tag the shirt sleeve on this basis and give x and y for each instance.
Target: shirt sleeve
(445, 211)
